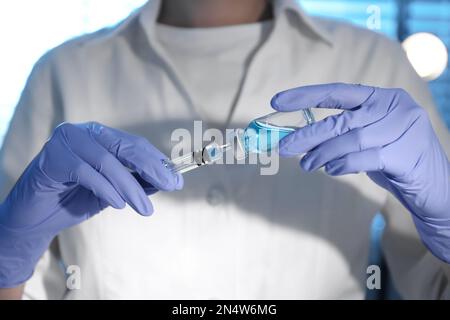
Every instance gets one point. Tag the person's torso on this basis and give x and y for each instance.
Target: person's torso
(231, 232)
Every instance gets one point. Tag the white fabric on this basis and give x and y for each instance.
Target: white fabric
(231, 233)
(212, 62)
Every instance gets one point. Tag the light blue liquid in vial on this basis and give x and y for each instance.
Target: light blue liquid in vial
(264, 134)
(262, 137)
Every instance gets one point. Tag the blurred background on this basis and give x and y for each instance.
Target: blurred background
(30, 28)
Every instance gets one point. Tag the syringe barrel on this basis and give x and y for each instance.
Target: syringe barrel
(208, 155)
(181, 164)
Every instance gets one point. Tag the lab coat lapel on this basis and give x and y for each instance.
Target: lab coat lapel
(148, 19)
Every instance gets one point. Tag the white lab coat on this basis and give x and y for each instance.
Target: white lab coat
(231, 233)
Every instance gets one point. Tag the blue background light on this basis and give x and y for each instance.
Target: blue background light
(30, 28)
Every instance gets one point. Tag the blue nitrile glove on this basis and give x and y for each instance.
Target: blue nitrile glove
(81, 170)
(382, 132)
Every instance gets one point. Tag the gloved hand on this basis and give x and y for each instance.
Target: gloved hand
(382, 132)
(81, 170)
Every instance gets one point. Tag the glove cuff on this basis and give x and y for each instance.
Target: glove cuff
(436, 236)
(19, 253)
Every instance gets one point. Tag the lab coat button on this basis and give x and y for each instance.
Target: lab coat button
(216, 195)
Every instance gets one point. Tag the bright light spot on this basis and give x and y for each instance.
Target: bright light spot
(28, 29)
(427, 54)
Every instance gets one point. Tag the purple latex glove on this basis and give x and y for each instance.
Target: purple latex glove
(81, 170)
(382, 132)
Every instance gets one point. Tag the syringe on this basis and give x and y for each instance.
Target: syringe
(208, 155)
(261, 135)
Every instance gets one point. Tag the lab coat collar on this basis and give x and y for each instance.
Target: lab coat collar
(150, 11)
(305, 20)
